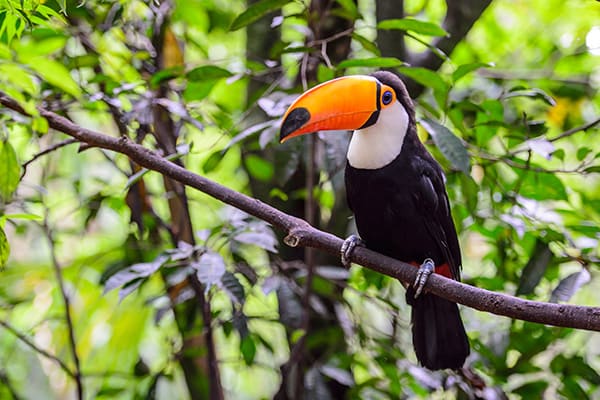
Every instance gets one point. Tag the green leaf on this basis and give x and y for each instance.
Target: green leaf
(4, 51)
(4, 249)
(425, 77)
(133, 275)
(570, 285)
(202, 80)
(82, 61)
(380, 62)
(248, 349)
(48, 12)
(541, 186)
(559, 154)
(207, 72)
(210, 267)
(290, 308)
(56, 74)
(196, 91)
(251, 130)
(413, 25)
(212, 161)
(40, 125)
(536, 267)
(277, 193)
(578, 367)
(557, 365)
(259, 168)
(592, 169)
(290, 49)
(16, 75)
(532, 93)
(232, 286)
(451, 146)
(350, 7)
(297, 335)
(470, 191)
(9, 171)
(255, 12)
(165, 75)
(110, 392)
(532, 390)
(465, 69)
(130, 287)
(536, 127)
(240, 323)
(23, 216)
(41, 48)
(583, 152)
(12, 25)
(323, 74)
(571, 389)
(259, 235)
(367, 44)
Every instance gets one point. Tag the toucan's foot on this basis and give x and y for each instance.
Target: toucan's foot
(348, 247)
(425, 270)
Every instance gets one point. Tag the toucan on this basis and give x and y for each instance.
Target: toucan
(396, 190)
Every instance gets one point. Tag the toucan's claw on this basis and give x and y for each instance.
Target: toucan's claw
(348, 247)
(425, 270)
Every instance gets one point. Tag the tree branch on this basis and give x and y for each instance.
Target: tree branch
(300, 233)
(576, 129)
(67, 304)
(50, 149)
(36, 348)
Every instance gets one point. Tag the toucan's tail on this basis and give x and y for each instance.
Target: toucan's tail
(438, 333)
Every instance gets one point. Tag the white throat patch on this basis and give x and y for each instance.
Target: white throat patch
(379, 144)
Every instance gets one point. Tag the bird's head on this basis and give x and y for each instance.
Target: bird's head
(376, 107)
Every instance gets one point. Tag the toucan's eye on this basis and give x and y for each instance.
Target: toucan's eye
(387, 97)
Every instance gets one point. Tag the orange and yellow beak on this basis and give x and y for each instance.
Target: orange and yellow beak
(347, 103)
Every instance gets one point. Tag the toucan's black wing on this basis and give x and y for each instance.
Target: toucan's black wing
(402, 209)
(436, 214)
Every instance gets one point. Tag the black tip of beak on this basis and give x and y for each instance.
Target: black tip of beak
(294, 121)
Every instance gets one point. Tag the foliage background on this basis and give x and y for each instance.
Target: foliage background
(153, 275)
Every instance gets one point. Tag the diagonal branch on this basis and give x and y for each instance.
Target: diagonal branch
(300, 233)
(37, 349)
(50, 149)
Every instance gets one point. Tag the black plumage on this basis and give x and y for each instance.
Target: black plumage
(402, 211)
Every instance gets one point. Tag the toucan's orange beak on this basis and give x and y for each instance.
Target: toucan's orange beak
(347, 103)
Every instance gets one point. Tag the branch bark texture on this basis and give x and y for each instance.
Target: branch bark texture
(300, 233)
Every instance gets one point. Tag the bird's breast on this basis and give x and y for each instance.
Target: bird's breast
(386, 214)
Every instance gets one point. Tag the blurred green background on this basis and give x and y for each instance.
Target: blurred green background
(169, 289)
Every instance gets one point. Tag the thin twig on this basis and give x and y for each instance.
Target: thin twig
(573, 131)
(509, 161)
(303, 68)
(325, 57)
(67, 303)
(563, 135)
(50, 149)
(36, 348)
(531, 75)
(332, 37)
(300, 233)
